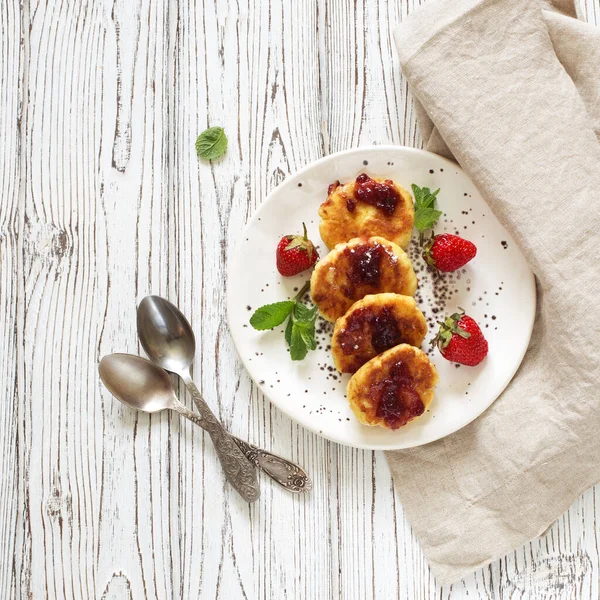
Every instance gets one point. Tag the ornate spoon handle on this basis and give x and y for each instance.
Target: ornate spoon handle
(238, 469)
(286, 473)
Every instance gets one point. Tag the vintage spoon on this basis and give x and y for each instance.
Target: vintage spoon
(142, 385)
(168, 340)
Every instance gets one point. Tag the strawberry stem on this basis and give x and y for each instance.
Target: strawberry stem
(305, 232)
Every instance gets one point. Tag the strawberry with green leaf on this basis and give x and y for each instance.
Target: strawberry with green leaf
(295, 253)
(460, 340)
(447, 252)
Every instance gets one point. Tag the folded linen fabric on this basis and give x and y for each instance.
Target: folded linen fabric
(511, 90)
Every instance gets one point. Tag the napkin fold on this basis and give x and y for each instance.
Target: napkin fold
(511, 90)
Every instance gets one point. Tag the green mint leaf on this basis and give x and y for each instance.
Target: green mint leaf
(288, 331)
(418, 194)
(425, 218)
(304, 314)
(424, 197)
(306, 328)
(426, 214)
(211, 143)
(308, 337)
(271, 315)
(435, 194)
(429, 197)
(301, 312)
(313, 313)
(298, 348)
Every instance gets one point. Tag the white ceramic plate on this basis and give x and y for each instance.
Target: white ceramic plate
(497, 289)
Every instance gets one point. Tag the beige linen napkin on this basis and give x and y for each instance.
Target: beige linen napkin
(511, 89)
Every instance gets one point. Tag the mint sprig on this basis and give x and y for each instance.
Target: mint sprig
(426, 214)
(300, 328)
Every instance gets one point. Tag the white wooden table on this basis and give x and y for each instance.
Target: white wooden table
(104, 201)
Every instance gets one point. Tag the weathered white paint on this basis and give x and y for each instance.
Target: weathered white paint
(104, 201)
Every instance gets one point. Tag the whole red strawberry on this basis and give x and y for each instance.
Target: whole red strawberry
(447, 252)
(295, 253)
(460, 340)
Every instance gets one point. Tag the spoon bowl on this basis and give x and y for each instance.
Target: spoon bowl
(137, 382)
(165, 334)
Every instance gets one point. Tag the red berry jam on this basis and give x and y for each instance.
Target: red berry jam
(381, 324)
(382, 195)
(365, 264)
(385, 332)
(399, 402)
(332, 187)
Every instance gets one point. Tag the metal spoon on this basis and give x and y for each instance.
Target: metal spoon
(168, 340)
(142, 385)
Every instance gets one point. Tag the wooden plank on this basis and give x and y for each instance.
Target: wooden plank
(233, 69)
(89, 174)
(60, 422)
(12, 470)
(138, 488)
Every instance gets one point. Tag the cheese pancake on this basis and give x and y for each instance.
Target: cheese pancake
(357, 268)
(365, 207)
(393, 388)
(373, 325)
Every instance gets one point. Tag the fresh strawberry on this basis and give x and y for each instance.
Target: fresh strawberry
(460, 340)
(295, 253)
(447, 252)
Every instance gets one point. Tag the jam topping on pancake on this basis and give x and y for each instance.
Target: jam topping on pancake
(365, 263)
(332, 187)
(382, 195)
(383, 327)
(397, 400)
(385, 331)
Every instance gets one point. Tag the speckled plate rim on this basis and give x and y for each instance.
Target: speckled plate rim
(263, 206)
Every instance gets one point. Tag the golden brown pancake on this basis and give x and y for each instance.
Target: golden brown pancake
(373, 325)
(361, 266)
(366, 207)
(393, 388)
